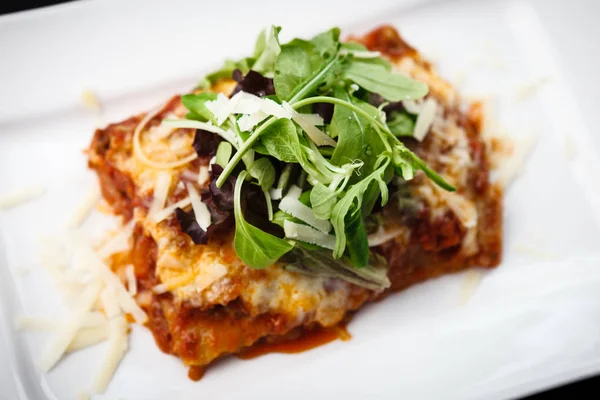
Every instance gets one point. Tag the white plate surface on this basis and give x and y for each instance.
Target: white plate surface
(530, 324)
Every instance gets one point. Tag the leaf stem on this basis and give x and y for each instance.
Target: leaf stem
(247, 145)
(313, 82)
(332, 100)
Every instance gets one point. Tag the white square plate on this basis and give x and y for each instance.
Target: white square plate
(532, 323)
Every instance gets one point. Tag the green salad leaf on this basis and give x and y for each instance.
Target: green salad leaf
(314, 261)
(223, 153)
(281, 141)
(322, 200)
(401, 124)
(377, 79)
(258, 249)
(266, 52)
(351, 203)
(263, 171)
(196, 104)
(226, 71)
(292, 68)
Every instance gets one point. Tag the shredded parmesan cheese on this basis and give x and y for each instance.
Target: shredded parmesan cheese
(425, 119)
(276, 194)
(412, 106)
(55, 350)
(21, 196)
(305, 233)
(117, 345)
(85, 208)
(304, 213)
(160, 288)
(161, 192)
(381, 236)
(247, 122)
(118, 242)
(131, 280)
(90, 100)
(87, 337)
(203, 175)
(126, 302)
(92, 320)
(108, 298)
(309, 123)
(166, 212)
(472, 279)
(536, 252)
(527, 90)
(200, 209)
(138, 151)
(36, 324)
(186, 123)
(83, 395)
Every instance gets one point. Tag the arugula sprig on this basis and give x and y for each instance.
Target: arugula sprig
(341, 179)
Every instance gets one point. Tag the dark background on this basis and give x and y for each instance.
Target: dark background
(585, 389)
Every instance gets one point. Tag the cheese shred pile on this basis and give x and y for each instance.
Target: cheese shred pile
(103, 304)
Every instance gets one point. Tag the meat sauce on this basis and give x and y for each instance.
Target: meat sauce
(307, 341)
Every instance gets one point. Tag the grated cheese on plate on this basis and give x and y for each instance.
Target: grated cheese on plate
(85, 208)
(21, 196)
(90, 100)
(117, 345)
(57, 348)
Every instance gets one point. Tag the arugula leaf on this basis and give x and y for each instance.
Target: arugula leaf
(223, 153)
(261, 43)
(352, 200)
(255, 247)
(349, 128)
(327, 43)
(377, 79)
(313, 261)
(265, 62)
(196, 103)
(266, 51)
(292, 68)
(281, 141)
(401, 124)
(258, 146)
(323, 76)
(322, 200)
(357, 138)
(226, 71)
(263, 171)
(353, 46)
(431, 174)
(356, 237)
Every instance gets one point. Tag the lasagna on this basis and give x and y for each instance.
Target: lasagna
(292, 187)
